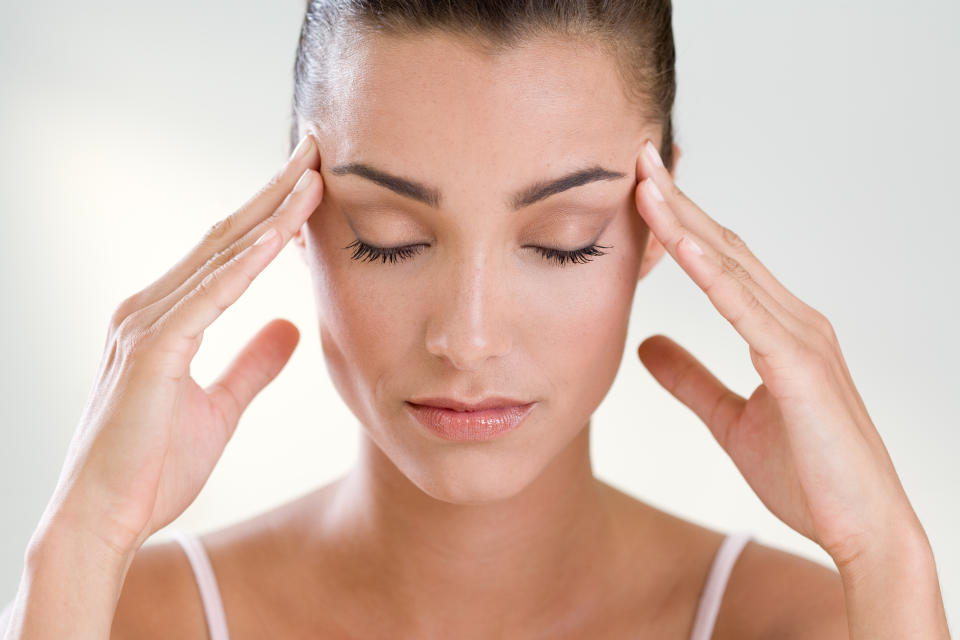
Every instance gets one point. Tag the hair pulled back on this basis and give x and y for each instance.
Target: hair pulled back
(637, 33)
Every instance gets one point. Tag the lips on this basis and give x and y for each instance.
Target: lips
(465, 426)
(490, 402)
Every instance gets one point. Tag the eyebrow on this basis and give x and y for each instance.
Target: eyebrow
(431, 196)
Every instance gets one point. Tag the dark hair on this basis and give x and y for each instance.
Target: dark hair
(638, 34)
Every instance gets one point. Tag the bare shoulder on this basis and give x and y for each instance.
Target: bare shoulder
(160, 597)
(772, 593)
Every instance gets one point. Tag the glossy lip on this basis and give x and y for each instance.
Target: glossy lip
(470, 426)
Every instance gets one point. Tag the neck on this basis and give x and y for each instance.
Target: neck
(522, 562)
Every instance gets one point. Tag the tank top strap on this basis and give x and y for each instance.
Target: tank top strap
(712, 594)
(206, 581)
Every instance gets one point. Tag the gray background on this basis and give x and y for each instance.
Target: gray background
(824, 133)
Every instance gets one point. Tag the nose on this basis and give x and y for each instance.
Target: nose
(468, 314)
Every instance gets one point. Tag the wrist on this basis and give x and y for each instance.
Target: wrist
(891, 589)
(79, 512)
(902, 543)
(71, 583)
(63, 538)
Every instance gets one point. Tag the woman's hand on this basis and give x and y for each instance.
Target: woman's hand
(149, 436)
(804, 440)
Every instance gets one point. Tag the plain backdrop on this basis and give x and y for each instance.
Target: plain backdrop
(824, 133)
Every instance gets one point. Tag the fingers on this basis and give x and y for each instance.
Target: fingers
(176, 336)
(692, 384)
(229, 230)
(254, 367)
(724, 240)
(287, 218)
(755, 315)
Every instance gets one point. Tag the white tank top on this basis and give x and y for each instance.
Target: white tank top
(706, 616)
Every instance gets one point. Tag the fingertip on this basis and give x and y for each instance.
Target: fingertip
(314, 149)
(653, 155)
(647, 160)
(651, 343)
(643, 349)
(306, 179)
(283, 337)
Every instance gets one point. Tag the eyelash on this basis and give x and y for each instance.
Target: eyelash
(367, 253)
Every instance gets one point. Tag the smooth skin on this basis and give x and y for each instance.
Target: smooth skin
(422, 539)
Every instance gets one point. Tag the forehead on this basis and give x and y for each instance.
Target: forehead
(433, 105)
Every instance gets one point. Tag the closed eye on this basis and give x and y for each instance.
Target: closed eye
(369, 253)
(577, 255)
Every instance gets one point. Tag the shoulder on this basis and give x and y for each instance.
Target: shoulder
(250, 560)
(775, 593)
(160, 597)
(770, 592)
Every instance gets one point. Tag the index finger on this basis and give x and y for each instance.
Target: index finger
(725, 240)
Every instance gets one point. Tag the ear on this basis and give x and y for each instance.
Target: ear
(677, 152)
(299, 240)
(654, 251)
(651, 255)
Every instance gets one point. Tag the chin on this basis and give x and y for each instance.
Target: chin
(462, 473)
(470, 477)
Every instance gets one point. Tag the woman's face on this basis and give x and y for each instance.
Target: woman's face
(476, 310)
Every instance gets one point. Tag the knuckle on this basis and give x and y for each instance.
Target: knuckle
(224, 255)
(132, 335)
(208, 283)
(220, 230)
(130, 324)
(811, 360)
(733, 240)
(123, 310)
(219, 258)
(821, 325)
(734, 268)
(825, 326)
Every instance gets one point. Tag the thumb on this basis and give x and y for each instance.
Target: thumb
(692, 384)
(254, 367)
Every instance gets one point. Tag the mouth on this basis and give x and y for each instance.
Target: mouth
(471, 424)
(490, 402)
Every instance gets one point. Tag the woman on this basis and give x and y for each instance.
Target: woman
(477, 189)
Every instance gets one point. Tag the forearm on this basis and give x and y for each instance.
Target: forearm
(894, 592)
(69, 588)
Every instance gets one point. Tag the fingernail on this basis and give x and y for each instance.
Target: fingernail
(654, 191)
(653, 155)
(693, 245)
(304, 181)
(266, 237)
(302, 147)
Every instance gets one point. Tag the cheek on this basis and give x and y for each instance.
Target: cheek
(582, 314)
(580, 335)
(358, 327)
